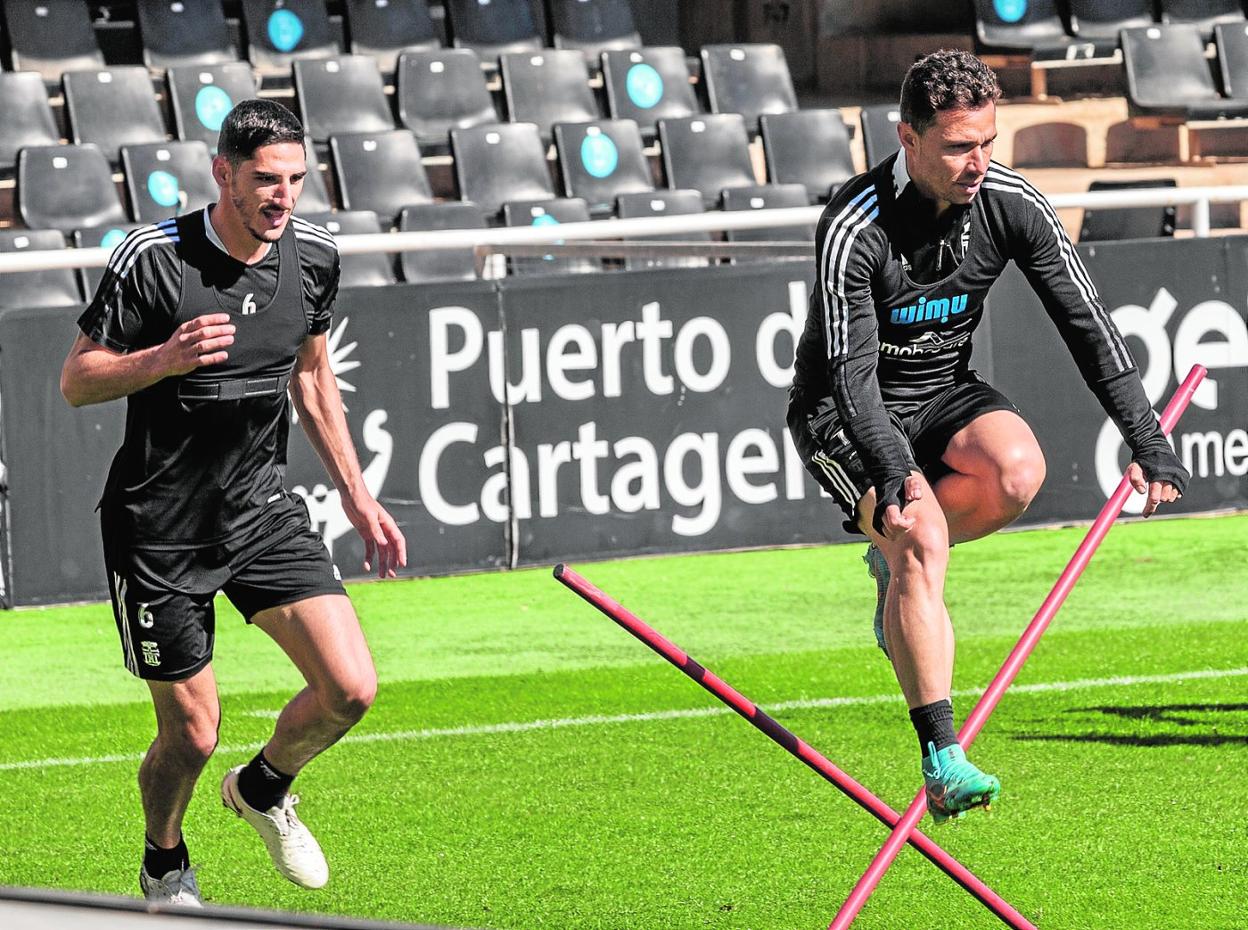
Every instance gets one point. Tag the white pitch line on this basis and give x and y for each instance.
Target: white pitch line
(558, 723)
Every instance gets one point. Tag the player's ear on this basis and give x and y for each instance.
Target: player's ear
(908, 136)
(221, 170)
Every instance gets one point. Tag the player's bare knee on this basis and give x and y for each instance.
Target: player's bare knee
(349, 701)
(193, 742)
(1020, 481)
(923, 552)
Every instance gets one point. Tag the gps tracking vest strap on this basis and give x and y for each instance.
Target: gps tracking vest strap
(267, 335)
(233, 390)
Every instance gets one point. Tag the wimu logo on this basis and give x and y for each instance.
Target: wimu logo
(927, 310)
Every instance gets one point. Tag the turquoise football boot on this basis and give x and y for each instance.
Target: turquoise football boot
(954, 785)
(877, 568)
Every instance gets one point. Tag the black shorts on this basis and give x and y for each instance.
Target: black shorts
(163, 598)
(925, 430)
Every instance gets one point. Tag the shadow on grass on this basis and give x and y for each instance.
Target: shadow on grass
(1182, 715)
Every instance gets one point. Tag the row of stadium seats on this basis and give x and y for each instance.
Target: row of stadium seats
(1088, 28)
(54, 36)
(65, 287)
(1168, 71)
(70, 186)
(435, 90)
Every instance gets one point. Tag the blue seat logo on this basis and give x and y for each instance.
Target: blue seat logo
(163, 188)
(545, 219)
(644, 86)
(599, 155)
(211, 106)
(285, 30)
(112, 238)
(1010, 11)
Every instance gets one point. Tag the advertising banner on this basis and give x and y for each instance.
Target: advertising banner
(591, 416)
(648, 413)
(1177, 303)
(55, 461)
(394, 350)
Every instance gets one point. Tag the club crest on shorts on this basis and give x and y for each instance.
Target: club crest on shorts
(151, 652)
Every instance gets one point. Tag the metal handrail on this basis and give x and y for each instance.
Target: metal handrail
(1199, 198)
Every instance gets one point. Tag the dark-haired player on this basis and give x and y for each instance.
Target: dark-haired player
(204, 323)
(918, 450)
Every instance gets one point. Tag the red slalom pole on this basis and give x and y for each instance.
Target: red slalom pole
(790, 742)
(1014, 663)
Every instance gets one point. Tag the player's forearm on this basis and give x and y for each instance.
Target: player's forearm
(319, 403)
(95, 377)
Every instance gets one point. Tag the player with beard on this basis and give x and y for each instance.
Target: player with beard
(917, 449)
(209, 324)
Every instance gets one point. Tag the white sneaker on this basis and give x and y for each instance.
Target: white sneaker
(292, 847)
(177, 887)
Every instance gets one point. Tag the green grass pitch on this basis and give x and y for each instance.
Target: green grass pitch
(528, 764)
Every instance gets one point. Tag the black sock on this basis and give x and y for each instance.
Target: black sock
(934, 724)
(159, 862)
(261, 785)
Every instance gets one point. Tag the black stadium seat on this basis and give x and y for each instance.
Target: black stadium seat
(368, 269)
(1034, 26)
(57, 287)
(440, 90)
(66, 187)
(384, 29)
(750, 79)
(168, 178)
(1100, 21)
(51, 37)
(176, 33)
(547, 87)
(1205, 14)
(707, 153)
(769, 197)
(601, 160)
(25, 115)
(1168, 75)
(108, 237)
(879, 131)
(1116, 223)
(443, 264)
(281, 31)
(202, 95)
(495, 164)
(664, 203)
(647, 85)
(808, 147)
(379, 171)
(315, 195)
(113, 107)
(593, 26)
(549, 213)
(494, 28)
(1232, 44)
(341, 94)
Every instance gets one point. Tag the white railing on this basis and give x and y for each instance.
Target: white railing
(1199, 198)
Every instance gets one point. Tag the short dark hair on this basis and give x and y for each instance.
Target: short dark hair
(949, 79)
(254, 123)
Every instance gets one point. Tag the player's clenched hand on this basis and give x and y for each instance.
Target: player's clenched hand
(197, 343)
(384, 545)
(895, 520)
(1159, 492)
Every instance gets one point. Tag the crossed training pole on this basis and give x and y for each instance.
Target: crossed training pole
(903, 826)
(1014, 662)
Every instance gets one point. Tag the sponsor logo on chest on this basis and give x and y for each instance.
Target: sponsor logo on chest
(925, 311)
